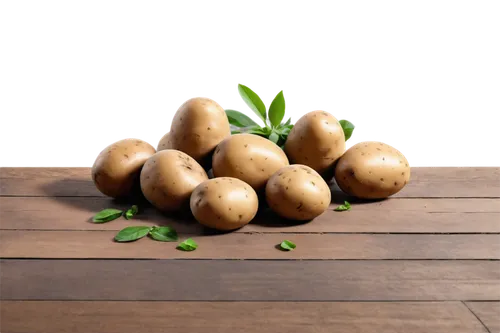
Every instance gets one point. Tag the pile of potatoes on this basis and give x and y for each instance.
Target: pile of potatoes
(246, 167)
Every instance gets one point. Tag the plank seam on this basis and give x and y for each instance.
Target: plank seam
(244, 301)
(102, 196)
(477, 317)
(280, 232)
(233, 259)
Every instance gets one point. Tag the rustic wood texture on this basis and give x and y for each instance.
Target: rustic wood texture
(249, 280)
(424, 182)
(99, 244)
(229, 317)
(488, 313)
(425, 260)
(388, 216)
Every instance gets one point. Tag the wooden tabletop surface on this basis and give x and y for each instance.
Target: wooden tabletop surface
(425, 260)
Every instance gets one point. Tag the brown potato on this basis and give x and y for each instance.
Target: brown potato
(224, 203)
(316, 140)
(298, 192)
(164, 143)
(372, 170)
(169, 177)
(248, 157)
(198, 127)
(117, 168)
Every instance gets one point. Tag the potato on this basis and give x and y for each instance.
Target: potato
(372, 170)
(117, 168)
(224, 203)
(316, 140)
(298, 192)
(169, 177)
(164, 143)
(248, 157)
(198, 127)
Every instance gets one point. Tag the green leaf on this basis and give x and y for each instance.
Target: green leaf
(130, 234)
(286, 122)
(130, 213)
(107, 215)
(188, 245)
(344, 207)
(347, 127)
(282, 130)
(274, 137)
(287, 245)
(277, 109)
(253, 101)
(164, 234)
(239, 119)
(235, 132)
(256, 130)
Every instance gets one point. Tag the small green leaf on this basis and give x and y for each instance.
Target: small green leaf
(282, 130)
(235, 132)
(274, 137)
(267, 131)
(188, 245)
(347, 127)
(164, 234)
(253, 101)
(286, 131)
(277, 109)
(107, 215)
(130, 213)
(344, 207)
(286, 122)
(130, 234)
(259, 130)
(239, 119)
(286, 245)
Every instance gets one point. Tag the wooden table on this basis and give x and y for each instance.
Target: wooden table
(425, 260)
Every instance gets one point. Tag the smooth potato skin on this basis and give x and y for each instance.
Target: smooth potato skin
(116, 170)
(298, 192)
(316, 140)
(224, 203)
(372, 170)
(248, 157)
(198, 126)
(164, 143)
(169, 177)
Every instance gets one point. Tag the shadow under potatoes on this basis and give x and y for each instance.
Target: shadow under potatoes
(338, 197)
(81, 195)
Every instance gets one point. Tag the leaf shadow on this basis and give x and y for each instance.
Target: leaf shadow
(278, 247)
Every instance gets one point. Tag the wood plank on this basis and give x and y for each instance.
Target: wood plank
(262, 317)
(488, 313)
(425, 182)
(249, 280)
(389, 216)
(47, 182)
(100, 244)
(433, 182)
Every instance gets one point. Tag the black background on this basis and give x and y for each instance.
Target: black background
(62, 115)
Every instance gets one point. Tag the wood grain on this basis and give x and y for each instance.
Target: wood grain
(488, 313)
(425, 182)
(249, 280)
(47, 182)
(100, 244)
(229, 317)
(389, 216)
